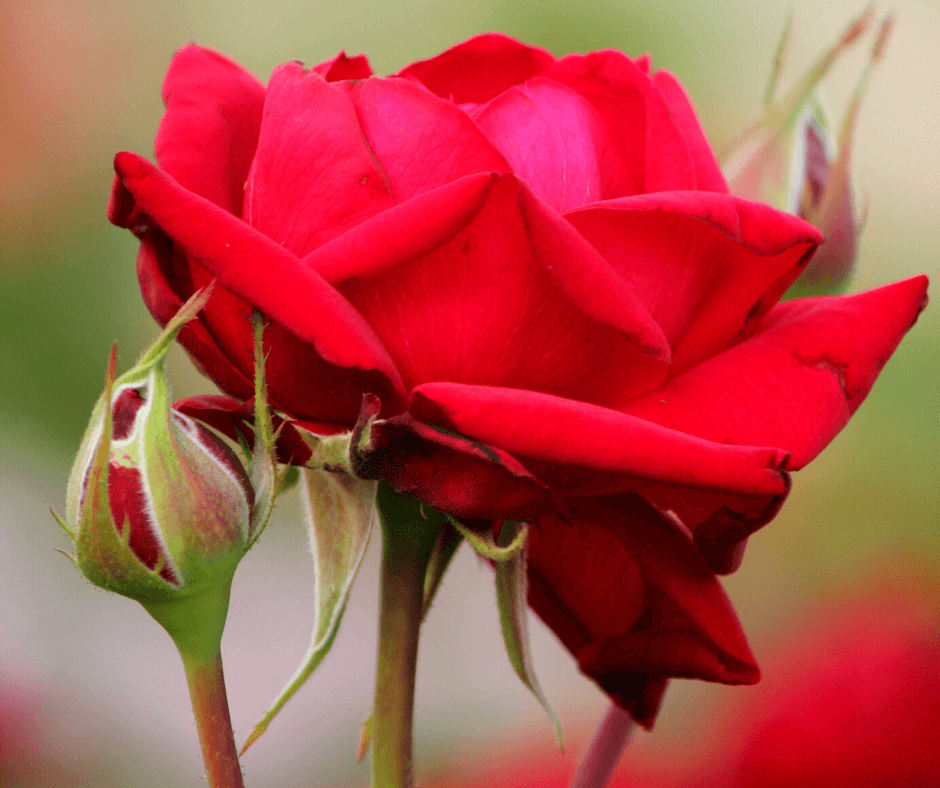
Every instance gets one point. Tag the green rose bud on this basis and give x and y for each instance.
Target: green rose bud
(789, 159)
(159, 508)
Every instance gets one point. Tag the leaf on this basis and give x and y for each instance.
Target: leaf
(511, 587)
(341, 513)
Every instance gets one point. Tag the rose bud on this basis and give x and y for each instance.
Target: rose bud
(159, 508)
(790, 160)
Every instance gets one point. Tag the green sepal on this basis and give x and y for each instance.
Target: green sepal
(103, 554)
(443, 552)
(263, 472)
(511, 589)
(341, 515)
(486, 546)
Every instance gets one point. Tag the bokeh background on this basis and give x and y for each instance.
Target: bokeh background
(91, 691)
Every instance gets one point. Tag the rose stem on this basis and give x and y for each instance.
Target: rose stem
(210, 706)
(606, 749)
(407, 541)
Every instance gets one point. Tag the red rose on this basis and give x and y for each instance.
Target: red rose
(536, 266)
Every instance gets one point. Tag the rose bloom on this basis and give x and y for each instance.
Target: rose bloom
(535, 268)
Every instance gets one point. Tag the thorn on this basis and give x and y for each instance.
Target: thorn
(71, 557)
(365, 738)
(62, 525)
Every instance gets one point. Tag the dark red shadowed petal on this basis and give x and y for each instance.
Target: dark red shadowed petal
(208, 134)
(721, 522)
(479, 69)
(129, 508)
(310, 309)
(124, 412)
(578, 448)
(706, 265)
(420, 141)
(628, 594)
(655, 154)
(518, 299)
(708, 175)
(313, 176)
(342, 67)
(449, 472)
(234, 419)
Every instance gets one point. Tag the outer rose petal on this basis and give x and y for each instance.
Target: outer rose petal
(708, 175)
(655, 150)
(797, 381)
(706, 265)
(582, 449)
(330, 329)
(208, 134)
(313, 175)
(156, 266)
(451, 473)
(793, 385)
(519, 299)
(628, 594)
(479, 69)
(342, 67)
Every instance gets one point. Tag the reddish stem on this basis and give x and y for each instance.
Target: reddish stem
(210, 706)
(606, 749)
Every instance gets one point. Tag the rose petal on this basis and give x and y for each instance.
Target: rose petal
(553, 139)
(655, 154)
(420, 141)
(708, 175)
(518, 299)
(208, 134)
(578, 448)
(796, 382)
(341, 67)
(628, 593)
(706, 265)
(157, 267)
(449, 472)
(404, 232)
(793, 385)
(479, 69)
(313, 176)
(340, 354)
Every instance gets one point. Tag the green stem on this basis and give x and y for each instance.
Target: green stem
(408, 535)
(210, 706)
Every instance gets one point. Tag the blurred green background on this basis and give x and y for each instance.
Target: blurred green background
(96, 683)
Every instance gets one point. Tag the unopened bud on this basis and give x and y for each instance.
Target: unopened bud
(159, 508)
(789, 160)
